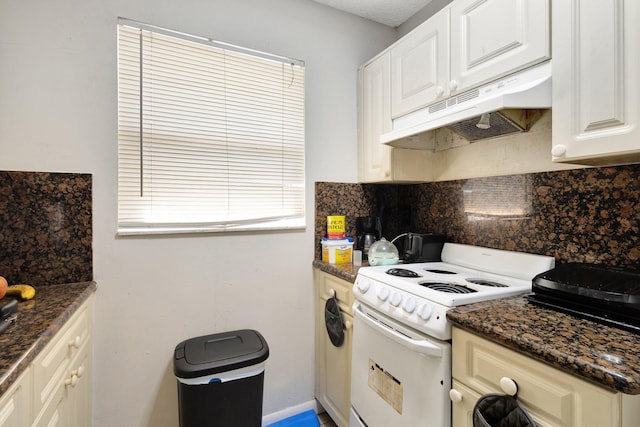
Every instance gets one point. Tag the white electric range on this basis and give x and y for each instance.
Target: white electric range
(401, 355)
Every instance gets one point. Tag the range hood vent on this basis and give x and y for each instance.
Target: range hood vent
(488, 125)
(529, 89)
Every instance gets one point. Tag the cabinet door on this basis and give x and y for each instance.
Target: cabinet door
(462, 410)
(333, 364)
(56, 412)
(420, 66)
(79, 396)
(492, 38)
(375, 119)
(62, 375)
(51, 365)
(554, 398)
(336, 396)
(379, 162)
(15, 404)
(596, 89)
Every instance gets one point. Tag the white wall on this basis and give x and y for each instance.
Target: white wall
(58, 113)
(422, 15)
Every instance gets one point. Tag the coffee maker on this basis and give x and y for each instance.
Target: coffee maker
(368, 230)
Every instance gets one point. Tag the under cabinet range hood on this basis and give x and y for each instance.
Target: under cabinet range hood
(471, 113)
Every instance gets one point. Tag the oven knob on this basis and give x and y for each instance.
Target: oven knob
(383, 294)
(395, 299)
(363, 285)
(424, 311)
(409, 305)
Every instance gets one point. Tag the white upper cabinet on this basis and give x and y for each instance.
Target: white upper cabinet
(467, 44)
(493, 38)
(420, 66)
(375, 111)
(378, 162)
(596, 82)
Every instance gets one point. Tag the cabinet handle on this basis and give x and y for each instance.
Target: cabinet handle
(439, 91)
(78, 372)
(453, 85)
(332, 293)
(347, 325)
(455, 396)
(559, 150)
(75, 343)
(509, 386)
(72, 381)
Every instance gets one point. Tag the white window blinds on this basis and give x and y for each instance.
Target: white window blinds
(210, 136)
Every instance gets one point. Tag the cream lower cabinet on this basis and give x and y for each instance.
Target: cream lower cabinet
(596, 82)
(62, 374)
(553, 398)
(55, 390)
(15, 403)
(333, 364)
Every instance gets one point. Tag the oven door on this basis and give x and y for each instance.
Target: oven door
(399, 377)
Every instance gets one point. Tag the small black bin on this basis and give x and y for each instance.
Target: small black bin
(220, 379)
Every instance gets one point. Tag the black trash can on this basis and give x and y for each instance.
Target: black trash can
(220, 379)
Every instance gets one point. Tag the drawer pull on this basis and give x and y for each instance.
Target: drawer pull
(347, 325)
(332, 293)
(72, 381)
(78, 372)
(75, 343)
(509, 386)
(455, 396)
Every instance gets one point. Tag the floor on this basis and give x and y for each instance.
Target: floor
(325, 420)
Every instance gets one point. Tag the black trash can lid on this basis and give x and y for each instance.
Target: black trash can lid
(222, 352)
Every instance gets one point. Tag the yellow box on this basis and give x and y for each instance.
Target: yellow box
(335, 227)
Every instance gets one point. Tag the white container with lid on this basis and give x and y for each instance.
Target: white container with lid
(337, 251)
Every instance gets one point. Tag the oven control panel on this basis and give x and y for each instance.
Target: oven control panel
(412, 310)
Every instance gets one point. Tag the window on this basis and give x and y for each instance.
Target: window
(210, 135)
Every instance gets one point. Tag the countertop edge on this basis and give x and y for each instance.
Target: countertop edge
(347, 272)
(22, 362)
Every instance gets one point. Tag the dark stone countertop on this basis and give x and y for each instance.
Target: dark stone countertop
(38, 321)
(347, 272)
(605, 355)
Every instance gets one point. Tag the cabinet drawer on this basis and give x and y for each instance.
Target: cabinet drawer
(49, 368)
(326, 283)
(552, 396)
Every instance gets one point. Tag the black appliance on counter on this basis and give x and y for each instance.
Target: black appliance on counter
(368, 231)
(609, 295)
(419, 247)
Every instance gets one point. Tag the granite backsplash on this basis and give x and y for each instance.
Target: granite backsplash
(45, 227)
(584, 215)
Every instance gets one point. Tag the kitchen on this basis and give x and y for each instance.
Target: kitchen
(58, 113)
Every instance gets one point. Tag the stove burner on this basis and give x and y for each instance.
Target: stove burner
(450, 288)
(402, 272)
(484, 282)
(440, 271)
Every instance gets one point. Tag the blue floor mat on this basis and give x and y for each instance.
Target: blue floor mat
(304, 419)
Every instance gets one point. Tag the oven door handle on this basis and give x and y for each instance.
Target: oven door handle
(419, 346)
